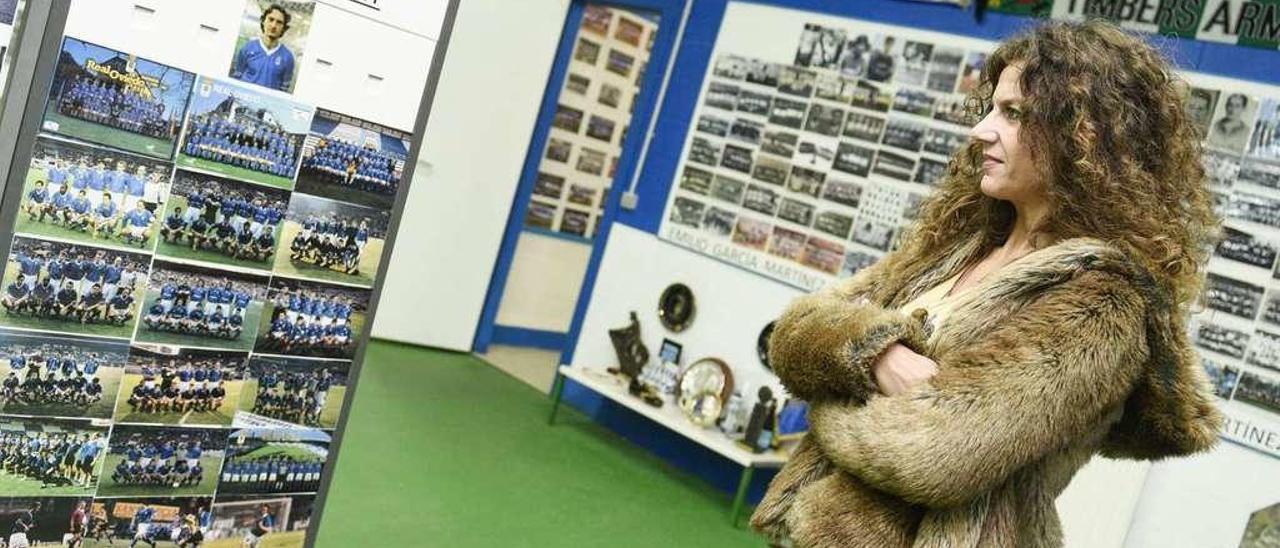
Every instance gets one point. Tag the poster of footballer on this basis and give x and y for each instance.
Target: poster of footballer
(93, 195)
(332, 241)
(243, 133)
(162, 461)
(148, 521)
(189, 304)
(219, 220)
(352, 160)
(45, 456)
(59, 286)
(262, 521)
(273, 35)
(305, 318)
(54, 374)
(287, 391)
(171, 385)
(114, 98)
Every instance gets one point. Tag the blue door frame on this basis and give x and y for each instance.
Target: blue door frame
(487, 331)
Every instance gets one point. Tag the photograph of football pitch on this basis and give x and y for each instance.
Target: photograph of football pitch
(222, 416)
(175, 338)
(233, 172)
(288, 539)
(102, 409)
(284, 264)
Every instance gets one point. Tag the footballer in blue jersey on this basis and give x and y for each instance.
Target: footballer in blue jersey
(266, 61)
(37, 204)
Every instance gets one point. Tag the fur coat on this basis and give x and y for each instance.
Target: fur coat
(1068, 352)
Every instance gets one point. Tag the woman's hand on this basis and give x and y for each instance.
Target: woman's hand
(899, 369)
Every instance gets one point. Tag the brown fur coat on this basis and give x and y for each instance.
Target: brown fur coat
(1066, 353)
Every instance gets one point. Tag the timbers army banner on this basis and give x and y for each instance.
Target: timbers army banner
(1254, 23)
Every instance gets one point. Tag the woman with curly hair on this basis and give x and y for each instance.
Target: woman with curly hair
(1034, 317)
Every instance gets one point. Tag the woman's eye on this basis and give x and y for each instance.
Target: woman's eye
(1013, 114)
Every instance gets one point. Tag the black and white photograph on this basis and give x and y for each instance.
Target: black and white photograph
(806, 181)
(930, 172)
(916, 58)
(864, 127)
(551, 186)
(619, 63)
(714, 125)
(1235, 297)
(1201, 103)
(953, 109)
(582, 195)
(944, 143)
(1222, 377)
(72, 288)
(771, 171)
(872, 96)
(51, 457)
(736, 158)
(1233, 122)
(245, 133)
(567, 118)
(92, 195)
(913, 101)
(834, 88)
(272, 39)
(274, 460)
(52, 374)
(590, 161)
(43, 520)
(855, 260)
(288, 391)
(610, 95)
(755, 103)
(539, 215)
(688, 211)
(751, 233)
(761, 199)
(825, 51)
(312, 319)
(628, 31)
(815, 152)
(703, 151)
(721, 95)
(883, 58)
(1265, 143)
(763, 73)
(223, 221)
(166, 384)
(788, 113)
(586, 51)
(904, 134)
(189, 304)
(853, 159)
(730, 66)
(1243, 247)
(854, 56)
(807, 44)
(719, 221)
(1260, 392)
(1265, 351)
(822, 254)
(329, 240)
(894, 165)
(845, 193)
(746, 131)
(695, 180)
(101, 95)
(558, 150)
(786, 243)
(833, 223)
(577, 83)
(1271, 308)
(912, 210)
(1260, 173)
(944, 69)
(824, 120)
(728, 189)
(162, 461)
(796, 81)
(574, 222)
(1221, 170)
(796, 211)
(601, 128)
(873, 234)
(778, 142)
(1254, 208)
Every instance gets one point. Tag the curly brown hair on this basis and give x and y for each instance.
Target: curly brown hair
(1106, 123)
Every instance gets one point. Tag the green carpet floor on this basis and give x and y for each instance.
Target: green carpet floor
(442, 449)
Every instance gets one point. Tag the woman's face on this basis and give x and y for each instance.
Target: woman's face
(1008, 170)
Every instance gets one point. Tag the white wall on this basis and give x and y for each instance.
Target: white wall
(482, 118)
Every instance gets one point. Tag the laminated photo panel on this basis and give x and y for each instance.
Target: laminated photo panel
(113, 98)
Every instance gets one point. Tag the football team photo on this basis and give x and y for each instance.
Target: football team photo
(59, 375)
(92, 195)
(305, 318)
(59, 286)
(219, 220)
(352, 160)
(192, 305)
(105, 96)
(331, 241)
(189, 386)
(274, 460)
(43, 521)
(273, 35)
(42, 456)
(284, 390)
(243, 133)
(162, 461)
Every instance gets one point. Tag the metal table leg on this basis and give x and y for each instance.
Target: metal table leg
(557, 390)
(741, 495)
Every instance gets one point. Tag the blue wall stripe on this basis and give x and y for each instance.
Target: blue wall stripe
(535, 338)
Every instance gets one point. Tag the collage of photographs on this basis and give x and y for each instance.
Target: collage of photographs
(591, 119)
(823, 159)
(190, 276)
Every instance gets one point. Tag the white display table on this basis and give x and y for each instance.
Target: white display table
(670, 416)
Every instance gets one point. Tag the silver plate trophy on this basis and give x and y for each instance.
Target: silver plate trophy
(703, 389)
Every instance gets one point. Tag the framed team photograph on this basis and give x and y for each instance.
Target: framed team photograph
(275, 522)
(110, 97)
(823, 255)
(833, 223)
(1265, 351)
(737, 158)
(695, 180)
(771, 171)
(746, 131)
(274, 460)
(273, 37)
(806, 181)
(721, 95)
(761, 199)
(558, 150)
(916, 57)
(1222, 378)
(285, 391)
(786, 243)
(619, 63)
(864, 127)
(162, 461)
(539, 215)
(222, 221)
(1271, 308)
(329, 240)
(577, 83)
(788, 113)
(1221, 339)
(730, 66)
(1243, 247)
(93, 195)
(872, 96)
(834, 88)
(796, 211)
(189, 304)
(824, 120)
(704, 151)
(751, 233)
(796, 81)
(150, 521)
(587, 51)
(894, 165)
(944, 69)
(243, 133)
(567, 118)
(574, 222)
(815, 152)
(1222, 170)
(166, 384)
(69, 454)
(854, 159)
(719, 221)
(914, 101)
(755, 103)
(687, 212)
(610, 96)
(845, 193)
(1232, 296)
(1259, 392)
(600, 128)
(72, 288)
(352, 160)
(1265, 143)
(728, 189)
(763, 73)
(944, 143)
(312, 319)
(953, 109)
(590, 161)
(579, 194)
(49, 374)
(904, 134)
(778, 143)
(873, 234)
(714, 125)
(596, 20)
(1257, 208)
